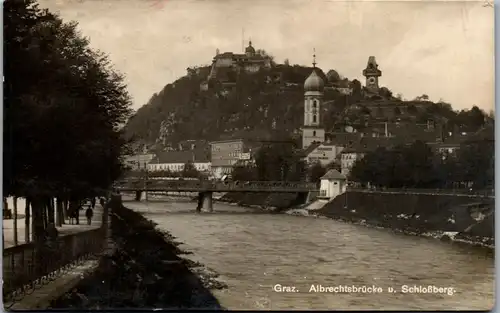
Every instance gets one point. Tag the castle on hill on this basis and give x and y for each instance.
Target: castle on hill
(250, 61)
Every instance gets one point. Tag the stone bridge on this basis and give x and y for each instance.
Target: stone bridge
(206, 188)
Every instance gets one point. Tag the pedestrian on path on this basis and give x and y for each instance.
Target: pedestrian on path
(89, 213)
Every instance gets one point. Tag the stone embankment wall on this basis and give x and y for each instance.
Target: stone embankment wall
(264, 200)
(467, 218)
(143, 270)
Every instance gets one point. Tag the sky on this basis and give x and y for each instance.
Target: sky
(443, 49)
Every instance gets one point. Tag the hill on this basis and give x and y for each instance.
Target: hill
(241, 104)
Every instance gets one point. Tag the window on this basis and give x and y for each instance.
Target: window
(315, 104)
(314, 118)
(314, 133)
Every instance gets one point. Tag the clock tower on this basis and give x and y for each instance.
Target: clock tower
(372, 73)
(313, 100)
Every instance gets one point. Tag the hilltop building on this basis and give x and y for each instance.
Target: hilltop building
(250, 61)
(372, 73)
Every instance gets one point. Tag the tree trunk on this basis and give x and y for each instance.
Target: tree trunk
(50, 211)
(27, 221)
(3, 216)
(59, 212)
(65, 210)
(39, 205)
(15, 221)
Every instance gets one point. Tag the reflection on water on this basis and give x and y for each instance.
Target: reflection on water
(255, 252)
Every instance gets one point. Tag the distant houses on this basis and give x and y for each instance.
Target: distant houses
(175, 161)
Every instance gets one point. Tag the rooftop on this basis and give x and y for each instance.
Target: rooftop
(168, 157)
(333, 174)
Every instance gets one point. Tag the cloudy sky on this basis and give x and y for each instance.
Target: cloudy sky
(442, 49)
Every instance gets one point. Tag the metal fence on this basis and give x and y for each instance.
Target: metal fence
(199, 185)
(463, 192)
(29, 266)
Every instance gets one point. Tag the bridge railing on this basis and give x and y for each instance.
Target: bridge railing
(483, 192)
(216, 185)
(267, 185)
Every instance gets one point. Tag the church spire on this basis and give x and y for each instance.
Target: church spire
(314, 57)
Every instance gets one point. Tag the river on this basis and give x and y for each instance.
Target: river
(253, 252)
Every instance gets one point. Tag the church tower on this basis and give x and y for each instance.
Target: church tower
(313, 100)
(372, 73)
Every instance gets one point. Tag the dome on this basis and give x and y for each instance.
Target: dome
(314, 82)
(250, 49)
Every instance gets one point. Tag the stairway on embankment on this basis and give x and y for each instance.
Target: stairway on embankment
(309, 208)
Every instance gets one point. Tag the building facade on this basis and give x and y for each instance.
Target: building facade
(312, 130)
(224, 155)
(332, 184)
(348, 157)
(324, 153)
(139, 161)
(174, 161)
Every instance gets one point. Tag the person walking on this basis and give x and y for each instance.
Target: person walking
(89, 213)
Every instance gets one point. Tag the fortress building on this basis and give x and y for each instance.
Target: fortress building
(250, 61)
(372, 73)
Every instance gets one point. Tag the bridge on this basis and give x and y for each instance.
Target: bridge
(205, 189)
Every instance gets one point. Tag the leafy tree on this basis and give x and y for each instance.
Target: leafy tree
(63, 108)
(316, 171)
(278, 162)
(244, 172)
(412, 109)
(190, 170)
(402, 166)
(385, 93)
(476, 161)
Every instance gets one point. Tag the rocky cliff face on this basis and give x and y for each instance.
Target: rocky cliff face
(463, 217)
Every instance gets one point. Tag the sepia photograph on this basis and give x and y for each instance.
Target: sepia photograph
(248, 155)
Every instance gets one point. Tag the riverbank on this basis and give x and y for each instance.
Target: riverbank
(462, 219)
(450, 218)
(275, 202)
(143, 270)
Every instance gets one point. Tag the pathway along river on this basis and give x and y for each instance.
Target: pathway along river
(253, 252)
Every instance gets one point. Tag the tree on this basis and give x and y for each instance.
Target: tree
(401, 166)
(278, 162)
(190, 170)
(385, 93)
(64, 106)
(244, 172)
(476, 161)
(423, 97)
(316, 171)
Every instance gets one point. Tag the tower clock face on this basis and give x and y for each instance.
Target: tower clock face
(371, 80)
